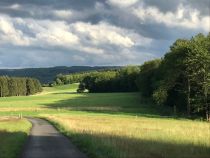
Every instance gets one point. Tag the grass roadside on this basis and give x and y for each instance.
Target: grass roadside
(112, 136)
(13, 134)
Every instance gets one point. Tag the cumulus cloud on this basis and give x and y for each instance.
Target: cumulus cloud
(55, 33)
(44, 32)
(86, 38)
(95, 32)
(183, 17)
(122, 3)
(9, 34)
(104, 33)
(15, 6)
(65, 14)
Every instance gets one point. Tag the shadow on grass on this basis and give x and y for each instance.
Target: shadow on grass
(111, 103)
(11, 143)
(112, 146)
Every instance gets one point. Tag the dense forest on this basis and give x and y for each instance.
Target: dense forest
(47, 75)
(62, 79)
(16, 86)
(116, 80)
(122, 80)
(181, 79)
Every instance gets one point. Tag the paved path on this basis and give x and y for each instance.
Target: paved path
(46, 142)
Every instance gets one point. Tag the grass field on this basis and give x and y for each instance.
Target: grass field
(13, 133)
(136, 137)
(114, 125)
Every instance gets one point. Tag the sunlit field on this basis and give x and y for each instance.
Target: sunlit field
(135, 137)
(110, 125)
(13, 134)
(64, 99)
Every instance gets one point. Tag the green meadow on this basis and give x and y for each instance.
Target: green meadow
(13, 133)
(105, 125)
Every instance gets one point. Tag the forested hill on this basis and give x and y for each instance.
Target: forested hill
(46, 75)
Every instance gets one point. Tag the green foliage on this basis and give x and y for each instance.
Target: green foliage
(78, 77)
(147, 76)
(122, 80)
(182, 78)
(4, 91)
(81, 88)
(69, 79)
(16, 86)
(160, 95)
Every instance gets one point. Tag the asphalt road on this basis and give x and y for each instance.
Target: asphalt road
(46, 142)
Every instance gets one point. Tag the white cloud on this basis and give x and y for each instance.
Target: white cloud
(93, 40)
(9, 34)
(56, 36)
(108, 32)
(183, 17)
(122, 3)
(65, 14)
(15, 6)
(91, 50)
(45, 32)
(104, 33)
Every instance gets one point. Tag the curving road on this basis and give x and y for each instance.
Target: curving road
(46, 142)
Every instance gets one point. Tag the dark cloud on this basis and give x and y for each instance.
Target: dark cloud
(203, 5)
(164, 5)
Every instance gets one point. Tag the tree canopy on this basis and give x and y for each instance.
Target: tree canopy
(16, 86)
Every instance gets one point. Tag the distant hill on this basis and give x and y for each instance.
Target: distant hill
(46, 75)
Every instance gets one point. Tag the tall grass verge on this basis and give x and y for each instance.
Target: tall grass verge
(136, 137)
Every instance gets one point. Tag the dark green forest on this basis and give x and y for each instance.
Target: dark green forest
(62, 79)
(181, 79)
(116, 80)
(16, 86)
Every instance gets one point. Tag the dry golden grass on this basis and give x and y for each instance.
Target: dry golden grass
(15, 109)
(9, 118)
(135, 137)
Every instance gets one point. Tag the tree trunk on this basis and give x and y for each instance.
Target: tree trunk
(205, 93)
(1, 92)
(207, 107)
(207, 113)
(188, 98)
(175, 110)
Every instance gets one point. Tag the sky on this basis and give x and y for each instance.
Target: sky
(46, 33)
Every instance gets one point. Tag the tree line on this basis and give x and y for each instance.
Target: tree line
(181, 79)
(18, 86)
(122, 80)
(69, 79)
(62, 79)
(115, 80)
